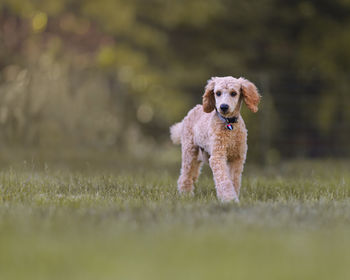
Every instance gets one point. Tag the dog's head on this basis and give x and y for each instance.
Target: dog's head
(226, 95)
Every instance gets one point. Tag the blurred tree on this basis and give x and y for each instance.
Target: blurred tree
(104, 72)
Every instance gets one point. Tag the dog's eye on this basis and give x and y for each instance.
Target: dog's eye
(218, 93)
(233, 93)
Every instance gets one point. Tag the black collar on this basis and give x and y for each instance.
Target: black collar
(227, 121)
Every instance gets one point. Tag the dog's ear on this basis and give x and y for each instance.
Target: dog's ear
(208, 96)
(250, 94)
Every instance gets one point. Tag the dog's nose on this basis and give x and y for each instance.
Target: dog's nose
(223, 107)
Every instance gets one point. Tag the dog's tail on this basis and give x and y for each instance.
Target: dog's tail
(175, 133)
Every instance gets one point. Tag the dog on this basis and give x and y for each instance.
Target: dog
(215, 132)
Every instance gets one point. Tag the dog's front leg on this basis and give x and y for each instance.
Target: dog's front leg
(224, 187)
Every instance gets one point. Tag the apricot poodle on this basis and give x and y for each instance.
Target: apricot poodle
(215, 132)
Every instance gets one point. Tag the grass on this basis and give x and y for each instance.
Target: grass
(103, 219)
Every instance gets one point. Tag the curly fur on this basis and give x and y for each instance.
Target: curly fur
(175, 133)
(204, 137)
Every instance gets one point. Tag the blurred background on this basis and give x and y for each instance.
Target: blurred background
(113, 75)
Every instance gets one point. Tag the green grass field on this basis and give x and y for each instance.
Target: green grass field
(85, 218)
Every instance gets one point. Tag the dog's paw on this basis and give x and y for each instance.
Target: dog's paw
(226, 193)
(186, 190)
(229, 199)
